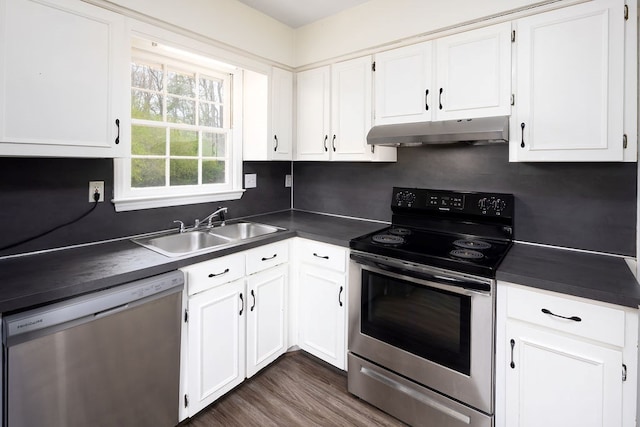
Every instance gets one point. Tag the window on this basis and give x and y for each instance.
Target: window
(182, 134)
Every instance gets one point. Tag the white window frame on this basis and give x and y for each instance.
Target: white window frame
(127, 198)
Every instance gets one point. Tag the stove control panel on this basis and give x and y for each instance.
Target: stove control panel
(460, 202)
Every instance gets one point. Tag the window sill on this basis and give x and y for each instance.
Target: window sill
(137, 203)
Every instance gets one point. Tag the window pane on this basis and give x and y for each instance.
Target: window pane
(181, 110)
(183, 142)
(147, 173)
(214, 144)
(211, 115)
(210, 89)
(147, 140)
(146, 76)
(181, 84)
(183, 172)
(146, 105)
(213, 172)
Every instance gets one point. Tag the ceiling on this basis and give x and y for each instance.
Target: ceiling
(296, 13)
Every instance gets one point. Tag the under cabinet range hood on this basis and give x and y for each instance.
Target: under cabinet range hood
(482, 130)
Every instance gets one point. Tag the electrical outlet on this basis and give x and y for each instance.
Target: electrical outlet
(288, 180)
(96, 186)
(250, 180)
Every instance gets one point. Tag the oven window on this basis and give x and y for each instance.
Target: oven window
(428, 322)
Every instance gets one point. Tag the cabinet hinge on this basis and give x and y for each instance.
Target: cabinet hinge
(624, 141)
(186, 315)
(513, 99)
(186, 400)
(513, 36)
(373, 66)
(626, 12)
(624, 372)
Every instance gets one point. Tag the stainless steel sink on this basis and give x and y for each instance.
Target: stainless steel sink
(174, 244)
(182, 243)
(243, 230)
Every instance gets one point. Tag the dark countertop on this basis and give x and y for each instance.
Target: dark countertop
(588, 275)
(37, 279)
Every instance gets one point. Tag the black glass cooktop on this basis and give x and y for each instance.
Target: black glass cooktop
(452, 251)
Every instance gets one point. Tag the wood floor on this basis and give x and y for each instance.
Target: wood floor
(296, 390)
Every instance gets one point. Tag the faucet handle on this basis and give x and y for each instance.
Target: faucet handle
(181, 225)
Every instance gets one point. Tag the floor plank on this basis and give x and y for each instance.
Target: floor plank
(296, 390)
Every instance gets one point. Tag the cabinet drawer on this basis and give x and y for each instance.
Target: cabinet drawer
(597, 322)
(322, 254)
(208, 274)
(267, 256)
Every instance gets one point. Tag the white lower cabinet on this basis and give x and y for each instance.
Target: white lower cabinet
(322, 304)
(236, 321)
(266, 317)
(564, 361)
(216, 343)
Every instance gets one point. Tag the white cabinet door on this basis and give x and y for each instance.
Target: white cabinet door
(403, 79)
(281, 136)
(473, 77)
(351, 109)
(322, 311)
(63, 75)
(569, 97)
(313, 114)
(557, 381)
(266, 317)
(216, 343)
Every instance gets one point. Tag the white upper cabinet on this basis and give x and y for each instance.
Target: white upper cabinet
(313, 114)
(570, 84)
(466, 75)
(281, 114)
(473, 77)
(267, 115)
(403, 79)
(63, 75)
(334, 112)
(350, 109)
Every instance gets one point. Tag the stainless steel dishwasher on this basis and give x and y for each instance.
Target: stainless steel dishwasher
(109, 358)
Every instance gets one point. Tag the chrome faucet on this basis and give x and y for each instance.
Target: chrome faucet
(220, 213)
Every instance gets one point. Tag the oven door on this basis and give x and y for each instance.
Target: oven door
(432, 326)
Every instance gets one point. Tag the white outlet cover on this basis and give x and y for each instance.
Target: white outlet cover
(288, 181)
(96, 185)
(250, 180)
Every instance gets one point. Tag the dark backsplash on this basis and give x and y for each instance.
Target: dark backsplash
(579, 205)
(38, 194)
(588, 206)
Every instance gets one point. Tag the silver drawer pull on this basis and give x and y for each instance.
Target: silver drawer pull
(219, 274)
(574, 318)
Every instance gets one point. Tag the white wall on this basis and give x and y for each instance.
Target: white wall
(379, 22)
(226, 21)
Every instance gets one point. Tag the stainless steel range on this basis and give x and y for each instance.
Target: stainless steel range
(422, 307)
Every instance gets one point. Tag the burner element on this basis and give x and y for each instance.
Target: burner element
(472, 244)
(387, 239)
(399, 231)
(466, 254)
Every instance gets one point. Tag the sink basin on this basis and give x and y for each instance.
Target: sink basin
(243, 230)
(174, 244)
(183, 243)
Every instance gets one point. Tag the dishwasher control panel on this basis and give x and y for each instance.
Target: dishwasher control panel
(97, 304)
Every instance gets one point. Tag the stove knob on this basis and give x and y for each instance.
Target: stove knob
(498, 205)
(483, 204)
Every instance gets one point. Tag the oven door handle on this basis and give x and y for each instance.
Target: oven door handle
(449, 281)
